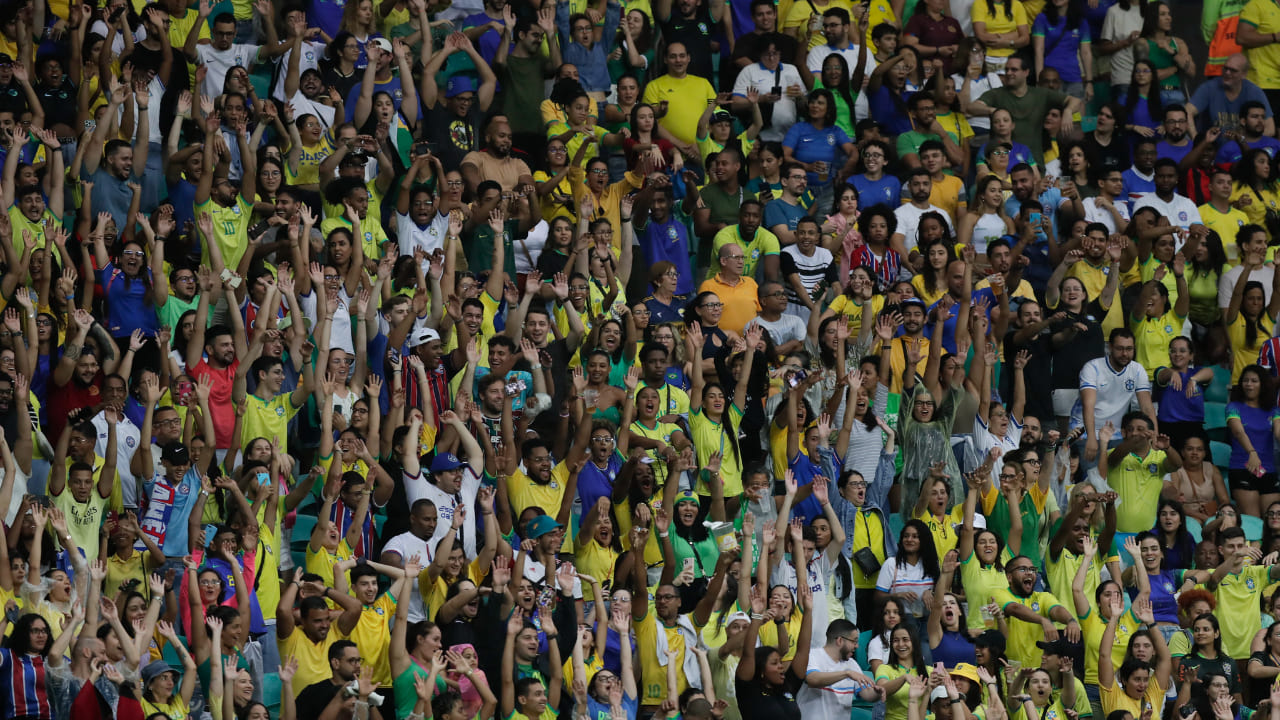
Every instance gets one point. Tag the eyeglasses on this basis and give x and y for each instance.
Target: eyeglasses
(209, 583)
(1031, 461)
(132, 253)
(34, 630)
(453, 183)
(1273, 513)
(999, 152)
(1022, 569)
(171, 422)
(185, 278)
(599, 171)
(557, 150)
(666, 596)
(858, 485)
(873, 156)
(331, 278)
(1008, 476)
(671, 273)
(712, 305)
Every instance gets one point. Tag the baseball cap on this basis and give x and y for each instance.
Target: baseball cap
(382, 44)
(539, 526)
(721, 116)
(5, 59)
(739, 615)
(939, 693)
(175, 453)
(1054, 647)
(912, 301)
(422, 336)
(445, 462)
(459, 84)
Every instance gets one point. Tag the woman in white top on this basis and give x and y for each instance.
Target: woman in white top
(906, 576)
(975, 80)
(986, 219)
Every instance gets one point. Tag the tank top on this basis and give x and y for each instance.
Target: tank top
(1192, 493)
(1163, 59)
(989, 227)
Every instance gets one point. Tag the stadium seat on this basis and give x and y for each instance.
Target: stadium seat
(1219, 386)
(1221, 453)
(1215, 421)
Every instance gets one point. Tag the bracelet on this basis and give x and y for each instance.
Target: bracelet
(625, 219)
(955, 700)
(552, 637)
(757, 616)
(663, 534)
(536, 367)
(17, 333)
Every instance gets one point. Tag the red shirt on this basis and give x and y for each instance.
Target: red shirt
(66, 398)
(220, 405)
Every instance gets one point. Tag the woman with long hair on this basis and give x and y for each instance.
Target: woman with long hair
(1256, 191)
(1196, 488)
(1039, 697)
(669, 336)
(1140, 682)
(1264, 665)
(766, 685)
(817, 144)
(906, 576)
(840, 229)
(938, 250)
(705, 310)
(617, 115)
(844, 86)
(592, 382)
(949, 114)
(1061, 41)
(1141, 102)
(987, 219)
(633, 50)
(1164, 579)
(413, 645)
(1205, 659)
(1249, 317)
(1002, 27)
(949, 639)
(980, 553)
(895, 677)
(644, 142)
(1253, 425)
(554, 188)
(1205, 268)
(1169, 55)
(358, 19)
(342, 57)
(972, 78)
(1077, 168)
(578, 126)
(859, 302)
(714, 419)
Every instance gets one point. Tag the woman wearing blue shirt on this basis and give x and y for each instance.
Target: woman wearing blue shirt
(132, 287)
(820, 146)
(1062, 42)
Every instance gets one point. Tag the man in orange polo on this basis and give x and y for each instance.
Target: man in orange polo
(738, 293)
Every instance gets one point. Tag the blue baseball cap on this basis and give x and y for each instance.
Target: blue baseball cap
(459, 84)
(445, 462)
(541, 525)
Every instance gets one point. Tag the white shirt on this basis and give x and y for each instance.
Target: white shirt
(909, 222)
(310, 60)
(218, 62)
(127, 438)
(819, 579)
(1227, 284)
(430, 238)
(1115, 390)
(406, 545)
(417, 487)
(1180, 210)
(303, 106)
(1119, 24)
(832, 701)
(819, 54)
(764, 80)
(905, 578)
(1095, 213)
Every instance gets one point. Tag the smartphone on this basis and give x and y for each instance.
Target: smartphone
(421, 149)
(796, 378)
(337, 409)
(688, 565)
(776, 90)
(264, 479)
(1187, 710)
(1033, 218)
(210, 532)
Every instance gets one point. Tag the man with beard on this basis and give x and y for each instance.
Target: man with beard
(1177, 140)
(111, 166)
(1107, 387)
(77, 378)
(115, 393)
(912, 313)
(327, 698)
(495, 161)
(920, 186)
(1066, 548)
(1028, 105)
(782, 214)
(1220, 101)
(213, 354)
(230, 209)
(1251, 135)
(456, 120)
(418, 224)
(1179, 209)
(1031, 614)
(834, 677)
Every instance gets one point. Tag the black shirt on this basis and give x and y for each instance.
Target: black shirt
(1039, 394)
(59, 103)
(758, 703)
(1070, 355)
(315, 698)
(454, 136)
(13, 98)
(1114, 156)
(695, 33)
